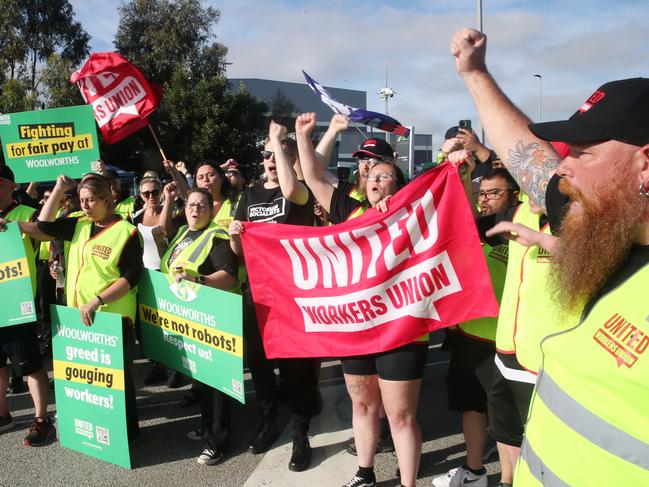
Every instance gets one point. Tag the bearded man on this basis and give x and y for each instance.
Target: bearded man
(589, 418)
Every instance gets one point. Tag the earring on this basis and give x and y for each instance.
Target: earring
(642, 191)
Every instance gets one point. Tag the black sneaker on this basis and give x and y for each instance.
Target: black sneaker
(6, 422)
(301, 457)
(176, 380)
(40, 432)
(357, 481)
(383, 445)
(264, 438)
(210, 457)
(157, 375)
(192, 397)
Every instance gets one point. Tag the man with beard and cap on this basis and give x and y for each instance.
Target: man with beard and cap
(588, 422)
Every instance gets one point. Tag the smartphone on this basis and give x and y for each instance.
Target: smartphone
(465, 124)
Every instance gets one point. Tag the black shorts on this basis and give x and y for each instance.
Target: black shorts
(19, 345)
(465, 391)
(403, 363)
(508, 402)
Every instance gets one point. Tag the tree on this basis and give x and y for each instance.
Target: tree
(33, 30)
(200, 115)
(55, 79)
(158, 35)
(15, 97)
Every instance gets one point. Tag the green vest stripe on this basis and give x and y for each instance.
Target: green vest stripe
(590, 426)
(538, 469)
(204, 240)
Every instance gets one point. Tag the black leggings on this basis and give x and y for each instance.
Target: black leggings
(299, 375)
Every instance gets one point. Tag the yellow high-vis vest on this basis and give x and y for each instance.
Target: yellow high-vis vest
(513, 281)
(485, 328)
(589, 418)
(126, 207)
(197, 252)
(226, 212)
(92, 265)
(22, 213)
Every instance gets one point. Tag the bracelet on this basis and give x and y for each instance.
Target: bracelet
(200, 279)
(101, 301)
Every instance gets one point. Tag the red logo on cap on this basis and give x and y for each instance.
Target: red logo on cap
(594, 98)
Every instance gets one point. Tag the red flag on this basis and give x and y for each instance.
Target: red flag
(372, 283)
(120, 96)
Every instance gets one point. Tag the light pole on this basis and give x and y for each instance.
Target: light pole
(540, 94)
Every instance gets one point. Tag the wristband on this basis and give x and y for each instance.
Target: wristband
(200, 279)
(101, 301)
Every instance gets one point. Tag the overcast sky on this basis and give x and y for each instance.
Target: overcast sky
(576, 45)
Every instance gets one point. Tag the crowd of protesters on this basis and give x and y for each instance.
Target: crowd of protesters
(559, 209)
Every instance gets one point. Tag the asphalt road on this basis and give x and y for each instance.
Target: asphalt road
(164, 456)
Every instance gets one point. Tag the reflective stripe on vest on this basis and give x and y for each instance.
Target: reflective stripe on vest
(590, 407)
(193, 256)
(536, 467)
(93, 265)
(590, 426)
(22, 213)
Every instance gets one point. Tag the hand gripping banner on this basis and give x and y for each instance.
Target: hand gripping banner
(375, 282)
(121, 97)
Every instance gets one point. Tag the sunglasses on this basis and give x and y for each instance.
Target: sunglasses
(267, 154)
(232, 173)
(148, 194)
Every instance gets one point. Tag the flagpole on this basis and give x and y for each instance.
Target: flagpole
(155, 137)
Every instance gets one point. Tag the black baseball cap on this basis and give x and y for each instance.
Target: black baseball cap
(378, 148)
(452, 132)
(7, 173)
(618, 110)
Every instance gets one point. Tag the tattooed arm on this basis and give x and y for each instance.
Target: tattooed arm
(531, 161)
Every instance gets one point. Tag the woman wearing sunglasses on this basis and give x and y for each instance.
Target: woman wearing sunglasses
(148, 218)
(392, 377)
(281, 198)
(200, 252)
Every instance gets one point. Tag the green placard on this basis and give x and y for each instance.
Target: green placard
(40, 145)
(15, 281)
(88, 366)
(194, 329)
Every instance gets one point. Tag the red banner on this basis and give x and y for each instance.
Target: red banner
(373, 283)
(120, 96)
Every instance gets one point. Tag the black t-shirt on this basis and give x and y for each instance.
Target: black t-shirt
(221, 257)
(260, 204)
(484, 223)
(130, 263)
(342, 205)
